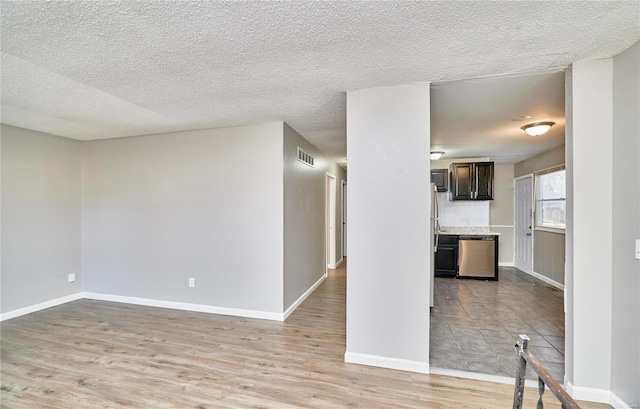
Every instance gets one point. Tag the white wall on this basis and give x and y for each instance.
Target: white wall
(40, 217)
(144, 214)
(545, 160)
(460, 212)
(388, 139)
(603, 278)
(304, 216)
(591, 229)
(207, 204)
(501, 211)
(569, 253)
(625, 347)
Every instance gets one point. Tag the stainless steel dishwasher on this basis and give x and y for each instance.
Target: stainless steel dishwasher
(477, 257)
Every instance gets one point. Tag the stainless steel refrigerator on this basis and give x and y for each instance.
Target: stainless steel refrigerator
(435, 231)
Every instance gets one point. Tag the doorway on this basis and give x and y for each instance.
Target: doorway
(344, 218)
(330, 221)
(523, 259)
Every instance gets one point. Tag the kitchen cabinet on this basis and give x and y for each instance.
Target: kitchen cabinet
(471, 181)
(441, 179)
(446, 262)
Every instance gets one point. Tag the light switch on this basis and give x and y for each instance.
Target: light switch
(637, 249)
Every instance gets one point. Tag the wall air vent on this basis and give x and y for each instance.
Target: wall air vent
(305, 158)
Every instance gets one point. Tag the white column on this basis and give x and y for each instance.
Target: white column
(388, 139)
(591, 179)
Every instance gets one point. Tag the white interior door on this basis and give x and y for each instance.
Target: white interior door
(344, 219)
(331, 221)
(524, 220)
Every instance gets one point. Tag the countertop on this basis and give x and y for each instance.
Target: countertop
(467, 231)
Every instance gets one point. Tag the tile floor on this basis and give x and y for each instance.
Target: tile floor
(475, 324)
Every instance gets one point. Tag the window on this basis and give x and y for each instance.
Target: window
(551, 204)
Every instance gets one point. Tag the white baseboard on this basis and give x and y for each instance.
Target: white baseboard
(596, 395)
(238, 312)
(386, 362)
(545, 279)
(174, 305)
(506, 264)
(529, 383)
(578, 393)
(304, 296)
(618, 403)
(41, 306)
(339, 262)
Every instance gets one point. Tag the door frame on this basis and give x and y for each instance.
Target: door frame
(343, 207)
(515, 221)
(330, 219)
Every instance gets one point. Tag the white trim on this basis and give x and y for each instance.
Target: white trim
(386, 362)
(38, 307)
(529, 383)
(588, 394)
(174, 305)
(531, 221)
(550, 230)
(342, 206)
(327, 221)
(303, 297)
(616, 402)
(545, 279)
(513, 239)
(596, 395)
(552, 169)
(339, 262)
(536, 174)
(528, 175)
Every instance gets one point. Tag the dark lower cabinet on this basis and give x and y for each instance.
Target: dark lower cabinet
(446, 262)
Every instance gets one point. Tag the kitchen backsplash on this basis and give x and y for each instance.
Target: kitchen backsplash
(462, 212)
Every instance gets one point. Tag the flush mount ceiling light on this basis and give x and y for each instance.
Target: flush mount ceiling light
(537, 128)
(435, 155)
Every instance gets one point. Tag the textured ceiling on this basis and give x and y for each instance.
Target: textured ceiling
(483, 117)
(101, 69)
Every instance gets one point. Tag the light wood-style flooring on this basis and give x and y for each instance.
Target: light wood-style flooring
(94, 354)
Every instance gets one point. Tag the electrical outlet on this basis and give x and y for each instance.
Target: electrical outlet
(638, 249)
(192, 282)
(71, 277)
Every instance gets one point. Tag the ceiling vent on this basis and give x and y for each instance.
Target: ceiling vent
(305, 158)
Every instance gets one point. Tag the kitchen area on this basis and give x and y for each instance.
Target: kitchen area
(463, 250)
(480, 301)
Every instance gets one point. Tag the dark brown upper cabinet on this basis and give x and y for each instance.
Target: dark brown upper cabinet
(471, 181)
(441, 179)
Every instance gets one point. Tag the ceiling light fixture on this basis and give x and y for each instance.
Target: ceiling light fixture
(435, 155)
(537, 128)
